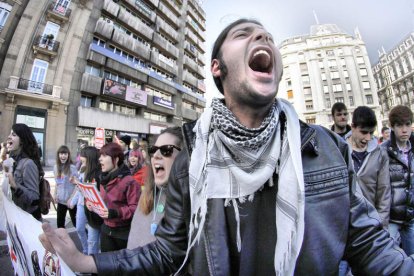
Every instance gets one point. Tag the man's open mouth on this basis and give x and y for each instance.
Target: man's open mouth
(261, 61)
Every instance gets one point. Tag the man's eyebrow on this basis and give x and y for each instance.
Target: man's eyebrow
(248, 29)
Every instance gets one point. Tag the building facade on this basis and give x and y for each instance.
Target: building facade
(325, 67)
(82, 72)
(394, 76)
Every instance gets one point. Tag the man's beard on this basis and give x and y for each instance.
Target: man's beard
(245, 90)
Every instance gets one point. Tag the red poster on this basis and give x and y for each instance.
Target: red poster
(91, 193)
(99, 137)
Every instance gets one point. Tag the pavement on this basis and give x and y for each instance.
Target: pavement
(5, 262)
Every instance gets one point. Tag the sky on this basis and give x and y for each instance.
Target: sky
(382, 23)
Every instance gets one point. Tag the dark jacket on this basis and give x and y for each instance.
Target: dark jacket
(339, 223)
(400, 182)
(121, 193)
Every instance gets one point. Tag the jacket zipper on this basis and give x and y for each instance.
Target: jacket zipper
(208, 255)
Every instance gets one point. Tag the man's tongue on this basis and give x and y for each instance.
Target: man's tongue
(260, 63)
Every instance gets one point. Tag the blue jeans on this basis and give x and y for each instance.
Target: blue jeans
(81, 227)
(93, 240)
(403, 235)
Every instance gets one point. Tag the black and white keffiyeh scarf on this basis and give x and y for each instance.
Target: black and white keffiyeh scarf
(232, 162)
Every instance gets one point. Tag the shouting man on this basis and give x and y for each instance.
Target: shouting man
(256, 192)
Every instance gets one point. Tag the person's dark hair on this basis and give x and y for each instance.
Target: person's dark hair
(113, 150)
(384, 128)
(146, 203)
(29, 144)
(400, 114)
(216, 53)
(63, 169)
(364, 117)
(92, 162)
(338, 106)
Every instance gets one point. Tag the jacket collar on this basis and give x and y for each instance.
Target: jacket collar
(373, 144)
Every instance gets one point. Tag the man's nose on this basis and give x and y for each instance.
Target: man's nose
(262, 35)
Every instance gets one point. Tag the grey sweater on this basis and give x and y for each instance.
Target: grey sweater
(26, 176)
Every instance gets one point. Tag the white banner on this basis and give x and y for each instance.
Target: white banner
(26, 252)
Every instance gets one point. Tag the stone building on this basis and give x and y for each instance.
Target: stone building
(324, 67)
(70, 68)
(394, 76)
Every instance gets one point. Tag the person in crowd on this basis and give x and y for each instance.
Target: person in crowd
(385, 134)
(139, 169)
(400, 153)
(370, 161)
(255, 191)
(143, 145)
(120, 193)
(340, 117)
(3, 153)
(24, 175)
(88, 232)
(124, 142)
(64, 170)
(134, 144)
(151, 204)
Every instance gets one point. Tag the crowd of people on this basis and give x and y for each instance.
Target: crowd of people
(247, 189)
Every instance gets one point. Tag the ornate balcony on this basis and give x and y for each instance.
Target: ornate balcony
(45, 46)
(36, 87)
(58, 13)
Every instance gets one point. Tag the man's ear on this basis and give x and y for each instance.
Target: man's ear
(215, 68)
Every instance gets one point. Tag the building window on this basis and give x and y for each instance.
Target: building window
(329, 53)
(325, 89)
(328, 103)
(339, 100)
(98, 42)
(38, 75)
(290, 94)
(348, 87)
(351, 100)
(4, 13)
(343, 63)
(114, 107)
(360, 60)
(92, 70)
(335, 75)
(61, 6)
(346, 75)
(366, 85)
(305, 80)
(51, 29)
(309, 105)
(86, 101)
(369, 99)
(160, 94)
(337, 87)
(363, 72)
(323, 76)
(332, 63)
(311, 120)
(321, 65)
(155, 116)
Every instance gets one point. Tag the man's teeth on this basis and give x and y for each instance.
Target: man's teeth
(261, 52)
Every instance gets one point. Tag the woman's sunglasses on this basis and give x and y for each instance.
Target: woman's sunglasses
(166, 150)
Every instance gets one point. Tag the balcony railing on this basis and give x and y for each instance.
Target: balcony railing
(33, 86)
(59, 9)
(46, 42)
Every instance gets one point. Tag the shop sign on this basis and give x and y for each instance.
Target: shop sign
(99, 137)
(114, 89)
(31, 121)
(161, 102)
(136, 95)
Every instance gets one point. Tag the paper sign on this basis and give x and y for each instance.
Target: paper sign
(91, 194)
